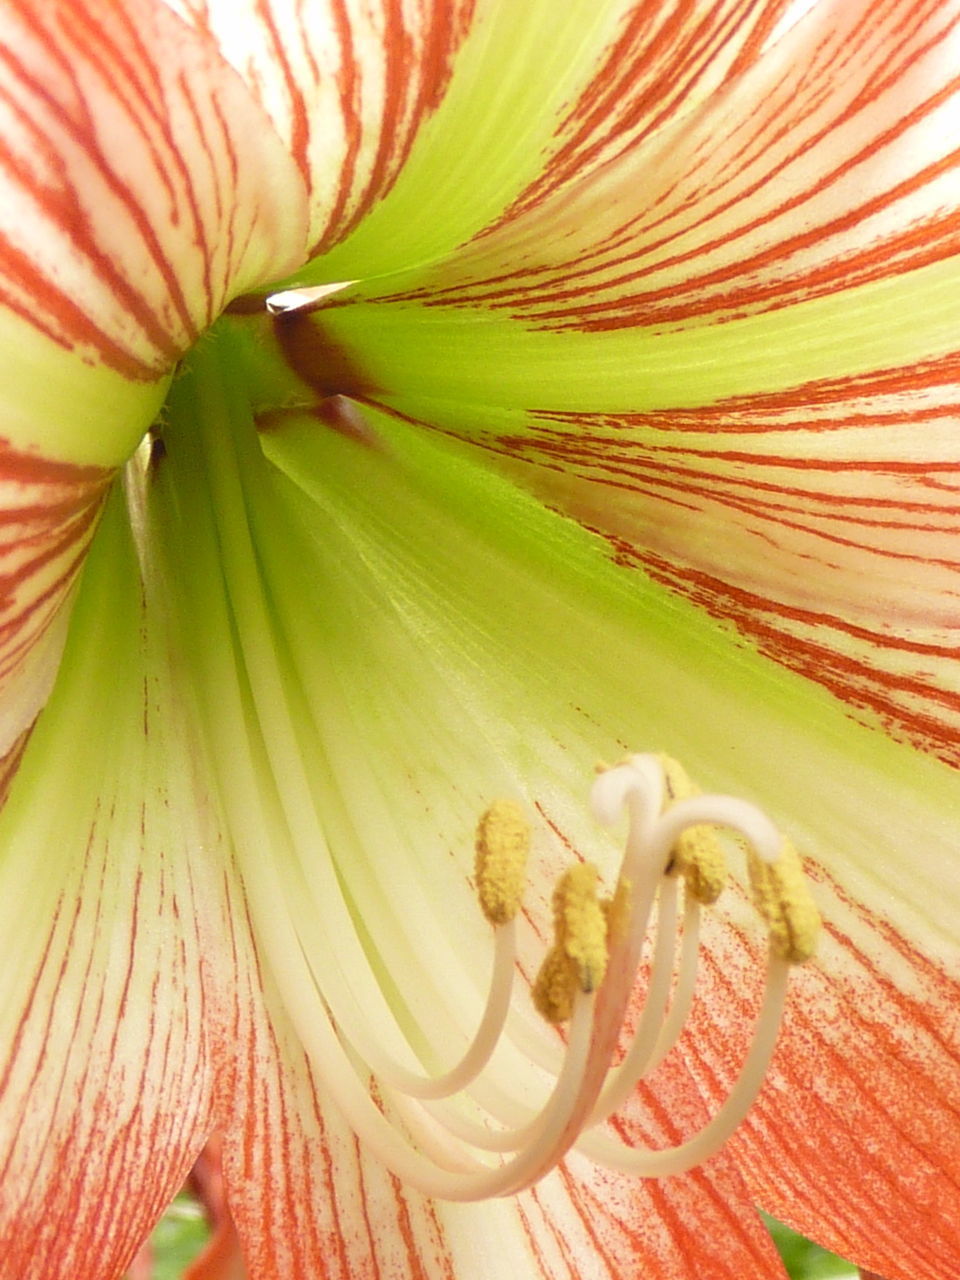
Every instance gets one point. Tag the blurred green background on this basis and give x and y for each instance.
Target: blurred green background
(179, 1237)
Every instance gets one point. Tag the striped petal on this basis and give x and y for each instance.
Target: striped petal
(111, 941)
(533, 96)
(49, 510)
(132, 178)
(737, 362)
(134, 169)
(867, 1099)
(821, 160)
(347, 88)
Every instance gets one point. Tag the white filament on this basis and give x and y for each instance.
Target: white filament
(333, 991)
(397, 1077)
(674, 1160)
(422, 1134)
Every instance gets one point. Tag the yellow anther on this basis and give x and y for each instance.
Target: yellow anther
(581, 924)
(578, 957)
(783, 898)
(676, 778)
(698, 857)
(502, 845)
(555, 986)
(698, 853)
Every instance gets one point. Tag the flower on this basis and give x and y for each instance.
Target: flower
(631, 422)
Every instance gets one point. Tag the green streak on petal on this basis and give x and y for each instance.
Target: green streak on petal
(104, 624)
(478, 356)
(558, 656)
(517, 72)
(66, 407)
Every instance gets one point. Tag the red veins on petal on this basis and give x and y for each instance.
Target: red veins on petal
(825, 161)
(802, 518)
(875, 1035)
(664, 57)
(347, 87)
(48, 513)
(141, 184)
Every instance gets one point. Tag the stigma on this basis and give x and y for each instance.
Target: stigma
(461, 1134)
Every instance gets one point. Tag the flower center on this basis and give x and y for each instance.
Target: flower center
(587, 980)
(366, 963)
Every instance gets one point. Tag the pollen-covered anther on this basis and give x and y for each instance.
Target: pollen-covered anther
(578, 958)
(782, 896)
(584, 923)
(502, 847)
(555, 986)
(698, 854)
(698, 857)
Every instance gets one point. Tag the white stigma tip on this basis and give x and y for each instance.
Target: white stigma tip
(639, 775)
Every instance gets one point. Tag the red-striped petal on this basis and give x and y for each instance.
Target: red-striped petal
(134, 173)
(812, 180)
(823, 523)
(113, 936)
(49, 513)
(854, 1140)
(581, 1223)
(347, 88)
(734, 176)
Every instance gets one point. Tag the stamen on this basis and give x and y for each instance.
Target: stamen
(582, 925)
(502, 848)
(622, 1080)
(577, 960)
(783, 900)
(675, 1160)
(616, 912)
(486, 1142)
(697, 854)
(555, 986)
(587, 977)
(683, 992)
(781, 896)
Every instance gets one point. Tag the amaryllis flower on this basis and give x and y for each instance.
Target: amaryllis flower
(406, 406)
